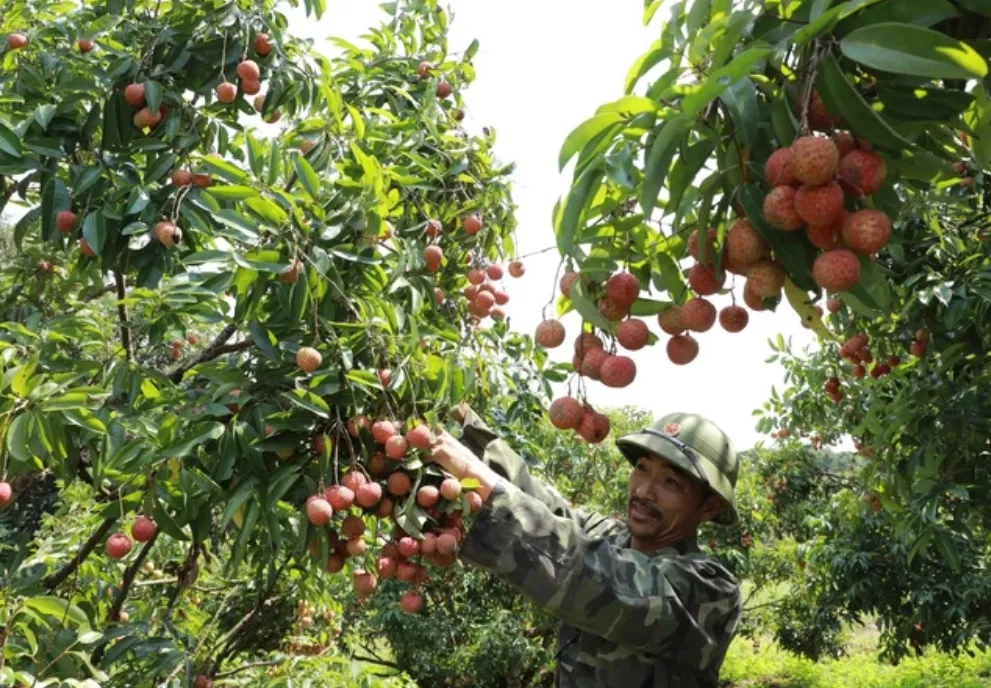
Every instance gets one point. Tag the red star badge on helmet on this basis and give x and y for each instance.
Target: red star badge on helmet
(672, 429)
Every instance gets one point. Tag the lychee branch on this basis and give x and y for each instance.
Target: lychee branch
(56, 579)
(218, 347)
(125, 330)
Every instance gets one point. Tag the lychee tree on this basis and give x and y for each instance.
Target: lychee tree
(790, 136)
(233, 312)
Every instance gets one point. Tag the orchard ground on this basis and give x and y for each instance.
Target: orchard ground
(540, 77)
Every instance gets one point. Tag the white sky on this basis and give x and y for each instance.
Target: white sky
(543, 67)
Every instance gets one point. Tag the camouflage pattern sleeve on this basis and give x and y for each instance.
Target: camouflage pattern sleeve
(662, 605)
(495, 452)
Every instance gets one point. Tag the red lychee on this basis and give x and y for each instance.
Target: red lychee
(450, 489)
(396, 447)
(411, 602)
(633, 334)
(353, 479)
(398, 484)
(484, 301)
(765, 278)
(382, 430)
(419, 437)
(836, 270)
(143, 529)
(494, 272)
(594, 427)
(618, 371)
(744, 245)
(566, 282)
(340, 498)
(734, 318)
(824, 237)
(779, 209)
(364, 584)
(623, 289)
(118, 545)
(819, 205)
(834, 305)
(777, 169)
(591, 363)
(476, 276)
(6, 493)
(703, 280)
(585, 342)
(671, 321)
(698, 315)
(550, 334)
(814, 160)
(475, 501)
(368, 495)
(682, 349)
(611, 310)
(352, 527)
(710, 246)
(566, 413)
(844, 142)
(447, 543)
(319, 511)
(819, 117)
(867, 231)
(359, 423)
(516, 268)
(427, 496)
(864, 171)
(433, 256)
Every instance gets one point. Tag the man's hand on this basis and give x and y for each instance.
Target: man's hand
(459, 461)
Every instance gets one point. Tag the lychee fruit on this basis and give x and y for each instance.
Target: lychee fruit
(382, 430)
(419, 437)
(819, 205)
(618, 371)
(611, 310)
(864, 171)
(6, 493)
(472, 223)
(143, 529)
(432, 256)
(779, 209)
(671, 321)
(844, 143)
(754, 302)
(385, 567)
(411, 602)
(226, 92)
(710, 246)
(585, 342)
(352, 527)
(65, 221)
(364, 584)
(335, 563)
(353, 479)
(550, 334)
(566, 282)
(447, 543)
(836, 270)
(698, 315)
(484, 301)
(632, 334)
(444, 90)
(591, 363)
(566, 413)
(476, 276)
(833, 305)
(703, 280)
(494, 272)
(319, 511)
(594, 427)
(308, 359)
(819, 117)
(396, 447)
(825, 237)
(368, 495)
(475, 501)
(248, 70)
(814, 160)
(682, 349)
(867, 231)
(339, 497)
(777, 169)
(744, 245)
(359, 423)
(516, 268)
(134, 94)
(623, 289)
(118, 545)
(734, 318)
(427, 496)
(450, 489)
(917, 348)
(766, 278)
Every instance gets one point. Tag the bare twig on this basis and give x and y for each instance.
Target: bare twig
(56, 579)
(245, 667)
(100, 292)
(218, 347)
(372, 660)
(125, 330)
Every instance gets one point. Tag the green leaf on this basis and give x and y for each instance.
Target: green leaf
(741, 99)
(168, 525)
(872, 293)
(263, 339)
(309, 401)
(307, 176)
(153, 95)
(87, 178)
(659, 160)
(59, 608)
(84, 418)
(565, 228)
(908, 49)
(949, 551)
(226, 170)
(920, 12)
(699, 96)
(43, 115)
(232, 193)
(267, 210)
(18, 436)
(240, 496)
(54, 199)
(842, 97)
(159, 168)
(95, 231)
(825, 21)
(584, 133)
(10, 142)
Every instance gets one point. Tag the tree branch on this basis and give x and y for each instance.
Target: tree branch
(56, 579)
(218, 347)
(125, 330)
(372, 660)
(100, 292)
(245, 667)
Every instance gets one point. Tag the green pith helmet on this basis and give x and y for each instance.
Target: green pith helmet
(695, 445)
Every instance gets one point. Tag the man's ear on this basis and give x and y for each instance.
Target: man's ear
(712, 507)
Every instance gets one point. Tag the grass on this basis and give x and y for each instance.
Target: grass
(771, 667)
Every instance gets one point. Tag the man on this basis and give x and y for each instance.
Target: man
(639, 603)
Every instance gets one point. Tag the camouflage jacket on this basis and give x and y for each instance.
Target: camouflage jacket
(628, 619)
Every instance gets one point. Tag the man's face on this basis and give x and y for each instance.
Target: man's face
(665, 504)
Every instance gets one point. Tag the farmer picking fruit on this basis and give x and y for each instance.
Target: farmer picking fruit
(640, 604)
